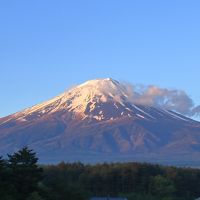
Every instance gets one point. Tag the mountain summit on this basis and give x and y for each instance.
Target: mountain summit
(100, 99)
(98, 121)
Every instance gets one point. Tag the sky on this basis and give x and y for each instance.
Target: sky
(49, 46)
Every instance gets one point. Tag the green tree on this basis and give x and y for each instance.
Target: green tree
(34, 196)
(26, 174)
(6, 186)
(2, 176)
(162, 186)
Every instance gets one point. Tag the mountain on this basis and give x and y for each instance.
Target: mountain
(98, 121)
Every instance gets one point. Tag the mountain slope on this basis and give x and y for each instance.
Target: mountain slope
(98, 121)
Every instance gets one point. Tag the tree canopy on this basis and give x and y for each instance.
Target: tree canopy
(22, 178)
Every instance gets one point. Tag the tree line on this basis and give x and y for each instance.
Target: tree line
(22, 178)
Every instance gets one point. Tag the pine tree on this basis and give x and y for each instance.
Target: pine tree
(26, 174)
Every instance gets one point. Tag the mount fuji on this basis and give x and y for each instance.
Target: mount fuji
(97, 121)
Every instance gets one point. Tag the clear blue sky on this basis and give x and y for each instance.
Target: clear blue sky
(47, 46)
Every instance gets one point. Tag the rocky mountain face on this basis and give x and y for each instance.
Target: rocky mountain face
(97, 121)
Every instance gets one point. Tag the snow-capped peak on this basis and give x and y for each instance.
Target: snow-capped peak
(78, 98)
(103, 88)
(94, 92)
(99, 99)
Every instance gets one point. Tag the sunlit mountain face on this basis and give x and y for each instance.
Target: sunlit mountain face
(98, 121)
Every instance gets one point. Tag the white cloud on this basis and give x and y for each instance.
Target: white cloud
(177, 100)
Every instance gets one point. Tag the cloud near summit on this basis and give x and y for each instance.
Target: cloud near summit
(176, 100)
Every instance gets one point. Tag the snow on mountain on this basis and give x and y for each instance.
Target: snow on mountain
(99, 117)
(100, 99)
(86, 101)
